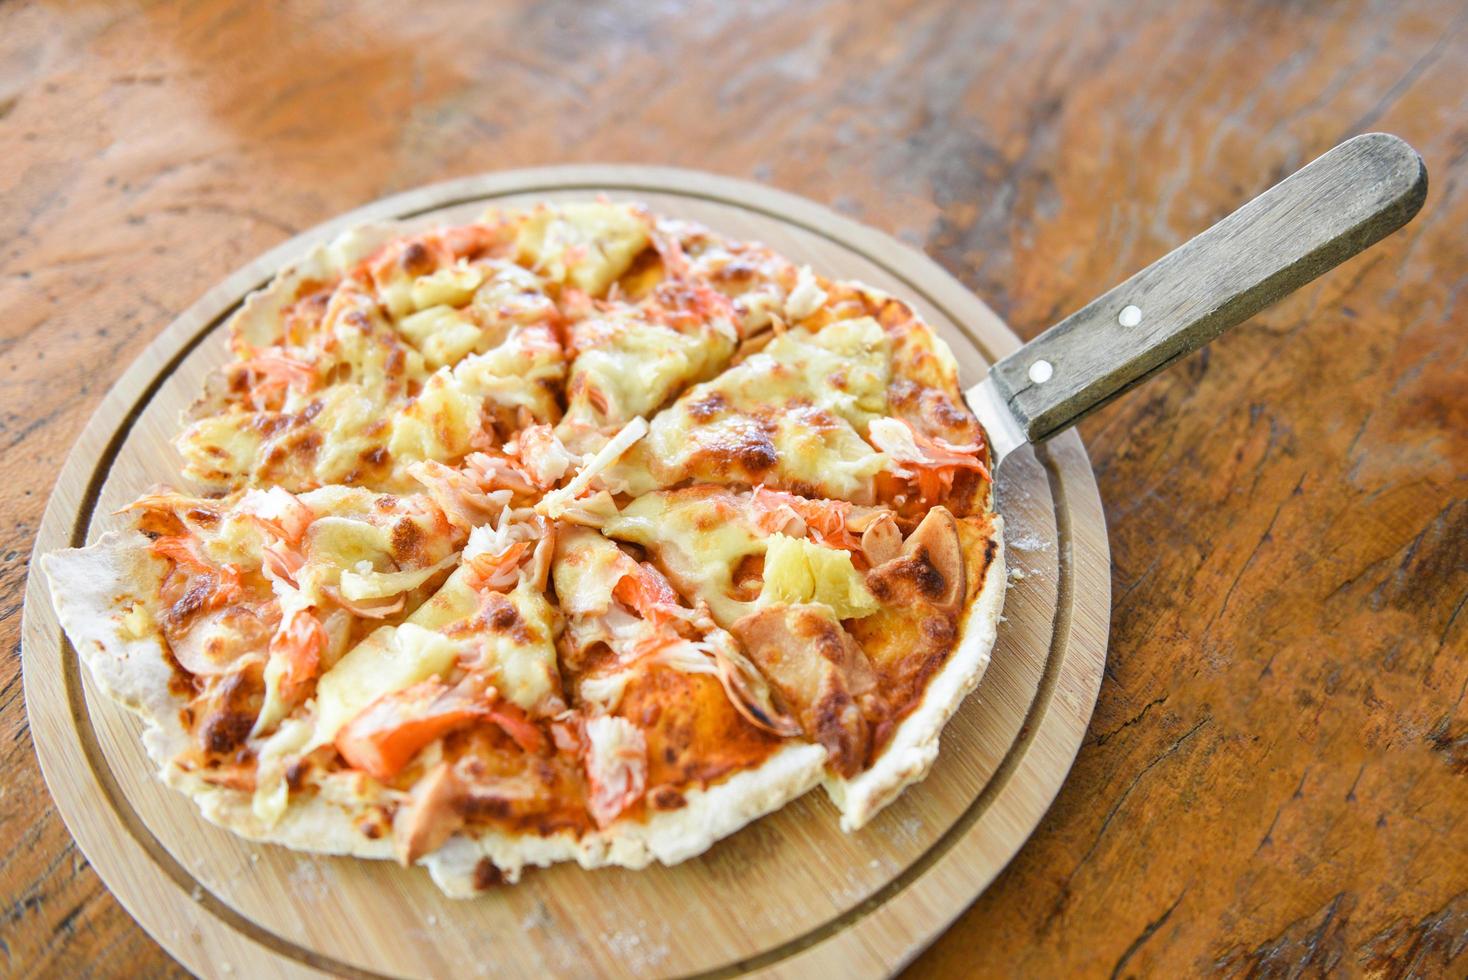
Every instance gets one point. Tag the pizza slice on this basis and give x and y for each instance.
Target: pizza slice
(858, 401)
(863, 633)
(423, 348)
(242, 603)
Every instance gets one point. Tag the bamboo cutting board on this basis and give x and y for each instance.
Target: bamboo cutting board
(788, 895)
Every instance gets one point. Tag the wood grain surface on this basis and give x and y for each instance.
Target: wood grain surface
(1276, 780)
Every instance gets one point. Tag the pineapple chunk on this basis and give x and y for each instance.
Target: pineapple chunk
(801, 571)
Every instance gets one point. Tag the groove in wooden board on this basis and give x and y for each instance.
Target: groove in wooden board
(796, 886)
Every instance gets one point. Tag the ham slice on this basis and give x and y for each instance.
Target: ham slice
(820, 674)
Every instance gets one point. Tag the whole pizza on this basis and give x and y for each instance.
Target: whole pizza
(575, 533)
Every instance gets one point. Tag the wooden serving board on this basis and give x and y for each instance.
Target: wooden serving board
(789, 895)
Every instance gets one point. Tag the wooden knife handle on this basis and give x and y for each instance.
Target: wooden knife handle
(1352, 197)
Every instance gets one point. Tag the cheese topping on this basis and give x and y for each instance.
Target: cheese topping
(583, 245)
(790, 416)
(523, 524)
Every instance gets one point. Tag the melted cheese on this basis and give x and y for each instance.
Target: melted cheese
(789, 415)
(442, 423)
(511, 296)
(366, 583)
(334, 544)
(443, 334)
(363, 347)
(445, 421)
(521, 372)
(587, 245)
(632, 365)
(586, 568)
(273, 758)
(219, 448)
(390, 659)
(699, 538)
(523, 663)
(520, 657)
(450, 286)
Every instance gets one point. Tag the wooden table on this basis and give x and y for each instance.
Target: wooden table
(1277, 771)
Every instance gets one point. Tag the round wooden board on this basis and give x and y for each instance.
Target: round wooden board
(788, 895)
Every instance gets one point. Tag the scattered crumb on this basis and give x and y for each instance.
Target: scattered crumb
(308, 882)
(1017, 574)
(634, 951)
(1027, 541)
(432, 919)
(537, 918)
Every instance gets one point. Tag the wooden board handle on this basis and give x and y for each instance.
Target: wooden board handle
(1308, 223)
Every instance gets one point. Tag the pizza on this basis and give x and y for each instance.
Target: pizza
(575, 533)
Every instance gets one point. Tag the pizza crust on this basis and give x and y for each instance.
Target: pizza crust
(914, 745)
(91, 589)
(669, 836)
(259, 316)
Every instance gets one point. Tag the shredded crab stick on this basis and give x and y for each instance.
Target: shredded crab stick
(670, 250)
(517, 724)
(299, 643)
(616, 767)
(650, 594)
(492, 471)
(931, 463)
(465, 497)
(779, 512)
(495, 555)
(272, 372)
(543, 457)
(284, 520)
(168, 501)
(746, 687)
(188, 553)
(280, 368)
(498, 570)
(282, 562)
(647, 592)
(385, 736)
(554, 503)
(279, 512)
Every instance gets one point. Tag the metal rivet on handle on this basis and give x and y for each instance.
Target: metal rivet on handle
(1130, 316)
(1041, 371)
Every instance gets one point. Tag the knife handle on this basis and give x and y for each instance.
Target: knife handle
(1352, 197)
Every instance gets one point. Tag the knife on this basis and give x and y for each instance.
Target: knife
(1350, 198)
